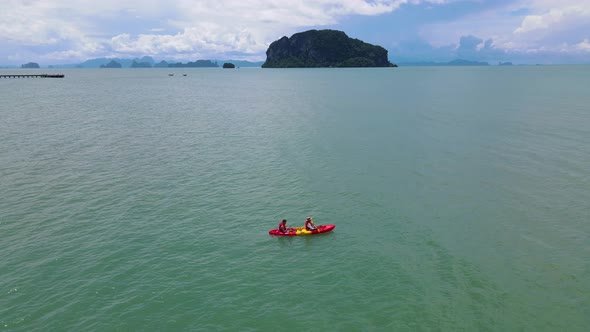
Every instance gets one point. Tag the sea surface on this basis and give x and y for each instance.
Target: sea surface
(131, 200)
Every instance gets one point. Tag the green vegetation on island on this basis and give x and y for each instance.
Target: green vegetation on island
(324, 48)
(229, 65)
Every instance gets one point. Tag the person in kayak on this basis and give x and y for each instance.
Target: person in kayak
(283, 226)
(309, 224)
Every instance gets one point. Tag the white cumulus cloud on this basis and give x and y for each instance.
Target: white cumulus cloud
(584, 45)
(556, 18)
(183, 28)
(72, 31)
(521, 27)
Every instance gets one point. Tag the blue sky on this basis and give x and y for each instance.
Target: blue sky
(69, 31)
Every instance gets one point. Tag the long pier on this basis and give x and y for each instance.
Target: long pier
(32, 76)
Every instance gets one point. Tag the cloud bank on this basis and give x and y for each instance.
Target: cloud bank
(67, 31)
(526, 31)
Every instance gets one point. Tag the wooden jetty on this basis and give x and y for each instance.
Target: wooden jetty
(32, 76)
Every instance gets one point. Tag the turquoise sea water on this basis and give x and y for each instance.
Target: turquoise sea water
(134, 200)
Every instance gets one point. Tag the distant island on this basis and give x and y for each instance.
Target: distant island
(456, 62)
(229, 65)
(324, 48)
(161, 64)
(136, 64)
(111, 64)
(149, 62)
(30, 65)
(198, 63)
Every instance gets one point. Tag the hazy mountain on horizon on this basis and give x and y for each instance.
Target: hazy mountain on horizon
(128, 62)
(125, 63)
(456, 62)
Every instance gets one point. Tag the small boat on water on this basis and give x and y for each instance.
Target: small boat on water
(170, 74)
(298, 231)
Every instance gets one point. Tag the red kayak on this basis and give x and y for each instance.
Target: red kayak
(297, 231)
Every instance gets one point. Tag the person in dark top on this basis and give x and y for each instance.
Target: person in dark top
(283, 226)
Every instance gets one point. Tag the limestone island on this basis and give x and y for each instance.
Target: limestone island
(30, 65)
(324, 48)
(112, 64)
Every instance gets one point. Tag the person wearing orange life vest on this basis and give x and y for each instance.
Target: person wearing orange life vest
(309, 224)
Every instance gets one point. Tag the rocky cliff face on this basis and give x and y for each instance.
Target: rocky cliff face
(324, 48)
